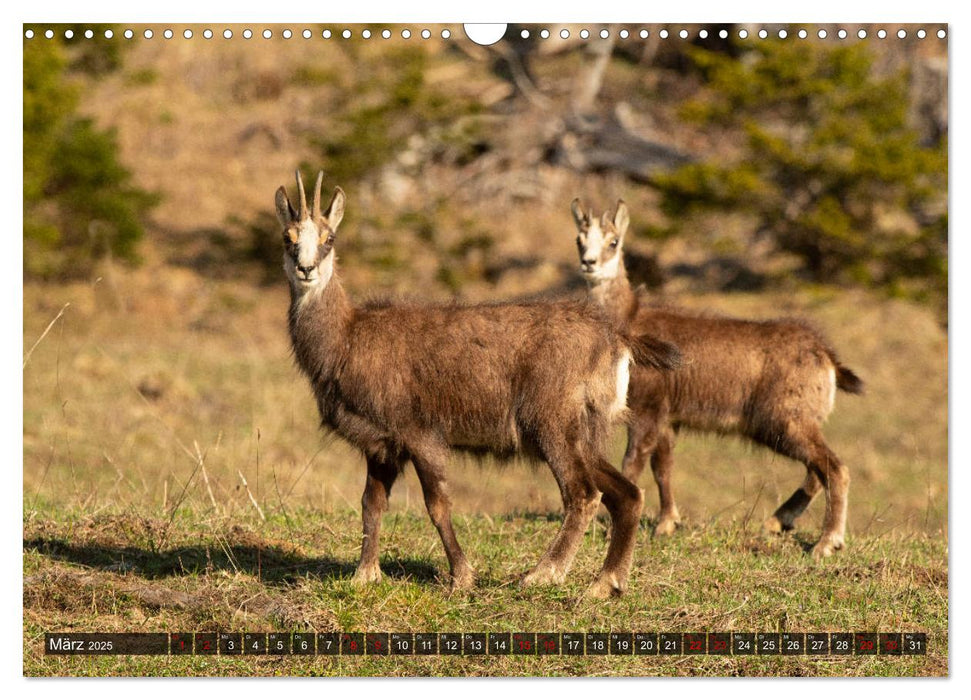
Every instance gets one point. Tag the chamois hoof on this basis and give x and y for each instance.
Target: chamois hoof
(826, 546)
(665, 527)
(606, 586)
(366, 574)
(462, 581)
(541, 575)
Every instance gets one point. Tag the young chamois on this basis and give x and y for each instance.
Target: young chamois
(403, 381)
(773, 382)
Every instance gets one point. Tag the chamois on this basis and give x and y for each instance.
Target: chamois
(405, 381)
(773, 382)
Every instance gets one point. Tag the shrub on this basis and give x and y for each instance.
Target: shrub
(383, 103)
(79, 202)
(826, 165)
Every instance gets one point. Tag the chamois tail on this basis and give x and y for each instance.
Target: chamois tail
(650, 351)
(846, 380)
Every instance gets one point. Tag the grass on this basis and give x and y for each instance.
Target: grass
(163, 416)
(199, 572)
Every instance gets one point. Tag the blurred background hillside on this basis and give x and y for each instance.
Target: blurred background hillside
(765, 177)
(747, 162)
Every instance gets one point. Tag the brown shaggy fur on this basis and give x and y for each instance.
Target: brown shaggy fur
(412, 382)
(769, 381)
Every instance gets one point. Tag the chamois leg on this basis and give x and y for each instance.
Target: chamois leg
(624, 501)
(580, 502)
(439, 506)
(381, 476)
(806, 443)
(661, 462)
(785, 516)
(836, 478)
(642, 436)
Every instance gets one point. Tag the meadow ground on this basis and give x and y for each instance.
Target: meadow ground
(200, 573)
(164, 420)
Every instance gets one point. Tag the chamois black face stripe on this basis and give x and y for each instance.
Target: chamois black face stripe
(323, 248)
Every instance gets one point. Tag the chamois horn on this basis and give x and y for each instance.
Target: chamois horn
(315, 210)
(302, 213)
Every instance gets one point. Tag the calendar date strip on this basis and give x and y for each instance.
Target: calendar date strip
(488, 643)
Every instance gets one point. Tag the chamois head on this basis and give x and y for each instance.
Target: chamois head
(600, 241)
(308, 235)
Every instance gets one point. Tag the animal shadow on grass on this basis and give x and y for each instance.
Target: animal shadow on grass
(805, 541)
(273, 565)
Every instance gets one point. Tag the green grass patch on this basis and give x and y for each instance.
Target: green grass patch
(195, 572)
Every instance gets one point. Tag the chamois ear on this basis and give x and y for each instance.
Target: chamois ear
(335, 210)
(284, 210)
(621, 218)
(579, 217)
